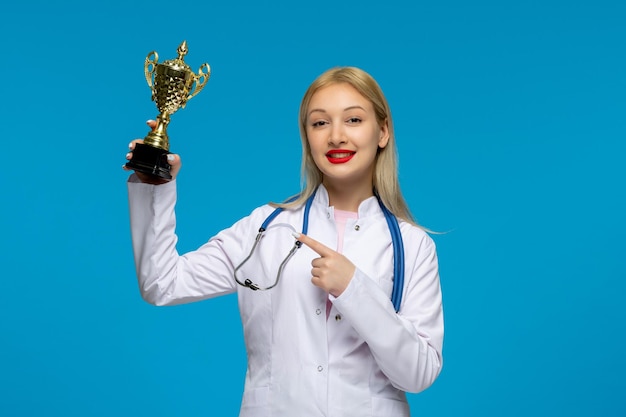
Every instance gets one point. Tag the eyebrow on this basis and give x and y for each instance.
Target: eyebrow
(346, 109)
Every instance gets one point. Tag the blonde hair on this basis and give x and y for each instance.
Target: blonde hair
(385, 180)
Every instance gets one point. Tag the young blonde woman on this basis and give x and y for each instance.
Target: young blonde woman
(324, 333)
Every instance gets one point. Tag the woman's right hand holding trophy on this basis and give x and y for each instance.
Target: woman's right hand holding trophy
(172, 159)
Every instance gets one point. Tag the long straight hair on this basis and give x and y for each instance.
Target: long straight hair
(385, 180)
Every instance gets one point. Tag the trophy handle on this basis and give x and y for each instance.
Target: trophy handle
(200, 79)
(149, 71)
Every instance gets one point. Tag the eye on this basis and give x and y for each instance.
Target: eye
(319, 123)
(354, 120)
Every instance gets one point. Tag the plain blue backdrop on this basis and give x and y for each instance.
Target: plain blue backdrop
(510, 121)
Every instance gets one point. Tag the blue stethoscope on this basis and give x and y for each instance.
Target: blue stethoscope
(396, 240)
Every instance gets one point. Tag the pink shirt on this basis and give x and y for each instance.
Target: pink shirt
(341, 217)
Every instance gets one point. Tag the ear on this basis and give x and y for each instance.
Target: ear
(384, 134)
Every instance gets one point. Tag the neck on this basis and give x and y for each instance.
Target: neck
(348, 197)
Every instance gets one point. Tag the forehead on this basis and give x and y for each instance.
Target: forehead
(338, 95)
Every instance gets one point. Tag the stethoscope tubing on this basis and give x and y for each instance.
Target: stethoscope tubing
(398, 255)
(396, 240)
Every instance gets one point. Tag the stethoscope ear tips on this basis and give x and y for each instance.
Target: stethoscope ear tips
(250, 285)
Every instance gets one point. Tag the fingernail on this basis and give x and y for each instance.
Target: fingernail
(128, 155)
(124, 167)
(296, 235)
(130, 145)
(170, 157)
(149, 121)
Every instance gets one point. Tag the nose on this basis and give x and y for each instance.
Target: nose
(337, 135)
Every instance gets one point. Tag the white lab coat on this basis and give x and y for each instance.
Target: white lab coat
(360, 361)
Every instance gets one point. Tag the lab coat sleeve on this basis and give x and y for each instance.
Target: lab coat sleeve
(165, 277)
(406, 345)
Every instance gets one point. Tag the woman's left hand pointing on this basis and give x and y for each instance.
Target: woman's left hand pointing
(332, 271)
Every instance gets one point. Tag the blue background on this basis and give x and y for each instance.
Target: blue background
(510, 123)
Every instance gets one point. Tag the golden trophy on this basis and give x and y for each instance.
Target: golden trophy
(172, 83)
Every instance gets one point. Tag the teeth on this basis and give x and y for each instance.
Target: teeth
(340, 155)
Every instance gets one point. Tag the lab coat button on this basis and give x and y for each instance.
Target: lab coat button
(338, 317)
(328, 215)
(318, 311)
(320, 368)
(357, 227)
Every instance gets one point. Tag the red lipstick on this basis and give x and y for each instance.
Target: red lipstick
(339, 156)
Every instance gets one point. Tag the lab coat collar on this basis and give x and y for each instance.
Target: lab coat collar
(368, 207)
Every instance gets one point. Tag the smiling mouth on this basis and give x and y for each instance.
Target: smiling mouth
(339, 157)
(339, 154)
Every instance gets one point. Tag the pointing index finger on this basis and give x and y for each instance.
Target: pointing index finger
(318, 247)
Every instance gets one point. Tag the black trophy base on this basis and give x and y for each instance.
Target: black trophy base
(150, 160)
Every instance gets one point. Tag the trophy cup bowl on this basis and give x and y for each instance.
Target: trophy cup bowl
(173, 83)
